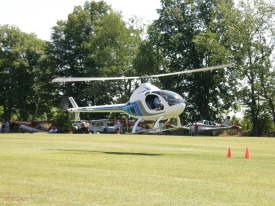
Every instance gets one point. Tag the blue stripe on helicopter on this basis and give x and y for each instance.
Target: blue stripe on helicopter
(104, 108)
(132, 109)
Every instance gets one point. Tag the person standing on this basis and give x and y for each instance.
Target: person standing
(3, 128)
(7, 127)
(196, 129)
(105, 128)
(117, 127)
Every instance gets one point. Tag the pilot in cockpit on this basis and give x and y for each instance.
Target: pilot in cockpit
(157, 103)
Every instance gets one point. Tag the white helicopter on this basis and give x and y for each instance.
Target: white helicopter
(147, 102)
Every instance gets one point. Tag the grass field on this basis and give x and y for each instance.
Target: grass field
(70, 169)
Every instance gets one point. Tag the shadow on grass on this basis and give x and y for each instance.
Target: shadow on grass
(132, 153)
(111, 153)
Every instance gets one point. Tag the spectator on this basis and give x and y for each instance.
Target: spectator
(3, 128)
(105, 127)
(196, 129)
(117, 127)
(7, 127)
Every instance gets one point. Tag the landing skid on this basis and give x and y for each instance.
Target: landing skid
(151, 131)
(157, 128)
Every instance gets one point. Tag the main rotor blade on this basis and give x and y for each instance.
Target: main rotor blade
(193, 70)
(79, 79)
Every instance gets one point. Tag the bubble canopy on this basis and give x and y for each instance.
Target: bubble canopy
(171, 97)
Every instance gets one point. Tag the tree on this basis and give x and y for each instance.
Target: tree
(44, 90)
(247, 35)
(94, 41)
(174, 44)
(19, 58)
(252, 45)
(68, 51)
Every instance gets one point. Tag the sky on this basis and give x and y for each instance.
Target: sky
(39, 16)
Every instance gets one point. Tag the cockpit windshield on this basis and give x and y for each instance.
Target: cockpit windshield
(171, 97)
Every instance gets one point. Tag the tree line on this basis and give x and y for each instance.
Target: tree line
(95, 41)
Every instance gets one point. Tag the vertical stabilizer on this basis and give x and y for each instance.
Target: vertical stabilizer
(75, 106)
(226, 122)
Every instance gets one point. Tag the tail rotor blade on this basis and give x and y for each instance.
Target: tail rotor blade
(64, 104)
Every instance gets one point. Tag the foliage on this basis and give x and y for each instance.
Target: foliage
(93, 41)
(19, 59)
(246, 35)
(1, 114)
(176, 43)
(266, 124)
(63, 122)
(253, 43)
(235, 121)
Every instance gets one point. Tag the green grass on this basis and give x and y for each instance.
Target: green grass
(70, 169)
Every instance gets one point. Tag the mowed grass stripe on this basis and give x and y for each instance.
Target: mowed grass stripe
(67, 169)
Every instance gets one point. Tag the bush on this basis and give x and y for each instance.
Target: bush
(63, 122)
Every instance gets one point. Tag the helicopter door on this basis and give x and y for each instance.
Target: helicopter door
(150, 101)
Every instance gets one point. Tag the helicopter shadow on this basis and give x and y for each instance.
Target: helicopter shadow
(104, 152)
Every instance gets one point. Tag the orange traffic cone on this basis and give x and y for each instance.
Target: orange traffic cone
(229, 155)
(247, 154)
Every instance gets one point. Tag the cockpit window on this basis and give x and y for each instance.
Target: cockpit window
(171, 97)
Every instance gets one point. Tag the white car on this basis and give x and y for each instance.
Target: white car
(97, 126)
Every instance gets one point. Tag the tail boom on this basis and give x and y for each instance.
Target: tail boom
(106, 108)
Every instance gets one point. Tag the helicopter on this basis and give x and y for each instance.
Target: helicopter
(147, 102)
